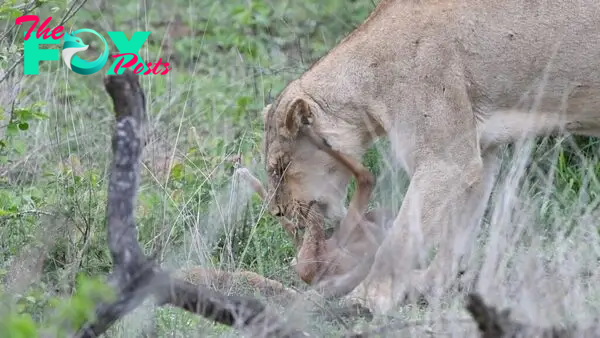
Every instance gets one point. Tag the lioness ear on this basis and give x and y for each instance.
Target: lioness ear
(297, 116)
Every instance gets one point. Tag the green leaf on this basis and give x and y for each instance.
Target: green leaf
(177, 172)
(6, 212)
(23, 113)
(12, 129)
(40, 116)
(10, 13)
(19, 147)
(19, 326)
(243, 101)
(23, 125)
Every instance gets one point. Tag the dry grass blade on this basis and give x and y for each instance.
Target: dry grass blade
(134, 275)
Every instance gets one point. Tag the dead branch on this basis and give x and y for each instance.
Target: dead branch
(135, 276)
(498, 324)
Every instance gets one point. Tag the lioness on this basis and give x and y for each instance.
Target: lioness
(334, 265)
(446, 82)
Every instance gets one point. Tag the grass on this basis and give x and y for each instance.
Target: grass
(229, 58)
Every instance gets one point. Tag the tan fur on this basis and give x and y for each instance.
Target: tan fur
(446, 82)
(334, 265)
(220, 279)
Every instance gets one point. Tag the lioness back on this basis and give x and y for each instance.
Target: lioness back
(506, 52)
(503, 58)
(514, 38)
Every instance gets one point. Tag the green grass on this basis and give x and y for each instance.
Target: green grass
(228, 58)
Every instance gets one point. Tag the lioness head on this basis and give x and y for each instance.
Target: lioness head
(301, 177)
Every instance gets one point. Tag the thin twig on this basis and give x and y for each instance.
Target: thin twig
(28, 7)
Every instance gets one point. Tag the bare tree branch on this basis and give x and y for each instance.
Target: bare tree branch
(498, 324)
(135, 276)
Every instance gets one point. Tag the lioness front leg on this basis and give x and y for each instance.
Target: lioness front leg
(447, 171)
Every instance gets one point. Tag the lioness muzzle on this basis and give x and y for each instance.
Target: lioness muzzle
(335, 265)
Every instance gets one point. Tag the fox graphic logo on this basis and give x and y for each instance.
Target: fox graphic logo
(128, 56)
(74, 44)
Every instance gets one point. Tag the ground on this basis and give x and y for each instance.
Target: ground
(228, 59)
